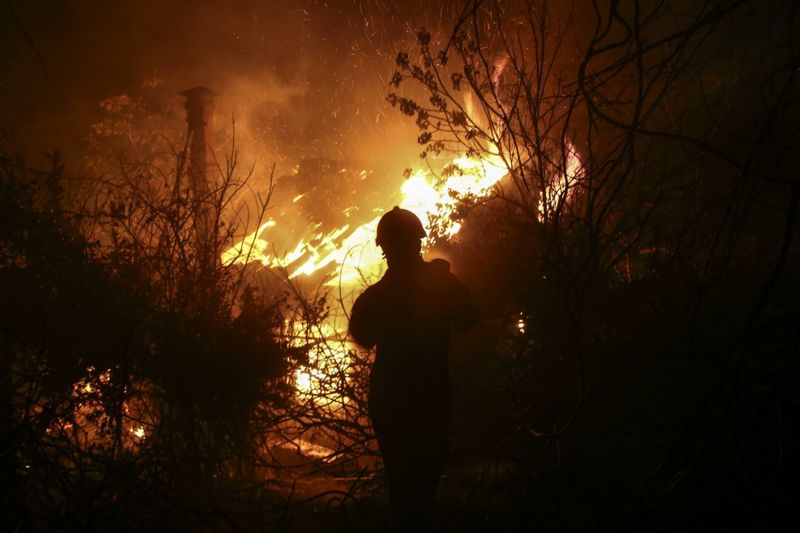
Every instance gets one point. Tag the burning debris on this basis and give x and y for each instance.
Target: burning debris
(347, 251)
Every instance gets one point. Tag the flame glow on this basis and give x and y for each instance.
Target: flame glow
(351, 254)
(350, 259)
(89, 423)
(351, 249)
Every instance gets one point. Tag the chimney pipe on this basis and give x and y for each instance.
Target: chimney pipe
(200, 107)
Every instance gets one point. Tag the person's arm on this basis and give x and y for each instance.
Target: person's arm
(465, 312)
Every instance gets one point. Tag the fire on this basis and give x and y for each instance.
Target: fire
(89, 422)
(351, 249)
(350, 258)
(351, 254)
(328, 357)
(473, 177)
(562, 185)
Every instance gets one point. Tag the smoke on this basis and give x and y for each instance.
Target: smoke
(312, 75)
(304, 82)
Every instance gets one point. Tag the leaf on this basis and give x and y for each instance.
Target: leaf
(402, 60)
(456, 78)
(396, 79)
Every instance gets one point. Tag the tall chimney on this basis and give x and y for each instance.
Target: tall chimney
(200, 118)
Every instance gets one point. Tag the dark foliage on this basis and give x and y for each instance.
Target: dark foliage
(643, 296)
(113, 400)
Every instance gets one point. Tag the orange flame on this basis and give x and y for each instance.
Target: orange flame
(351, 250)
(351, 253)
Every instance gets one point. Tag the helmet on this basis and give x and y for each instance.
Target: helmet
(399, 224)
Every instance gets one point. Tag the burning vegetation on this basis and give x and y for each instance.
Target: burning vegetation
(615, 180)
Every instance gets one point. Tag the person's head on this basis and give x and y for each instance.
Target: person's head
(400, 235)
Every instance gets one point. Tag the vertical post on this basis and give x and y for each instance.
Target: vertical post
(200, 106)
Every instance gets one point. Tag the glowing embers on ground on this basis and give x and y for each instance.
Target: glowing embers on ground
(89, 424)
(324, 379)
(521, 324)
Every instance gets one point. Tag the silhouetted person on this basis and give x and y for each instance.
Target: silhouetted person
(408, 315)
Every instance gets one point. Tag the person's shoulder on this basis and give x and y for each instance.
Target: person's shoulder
(439, 266)
(439, 270)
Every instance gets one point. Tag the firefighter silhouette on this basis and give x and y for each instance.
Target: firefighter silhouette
(407, 316)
